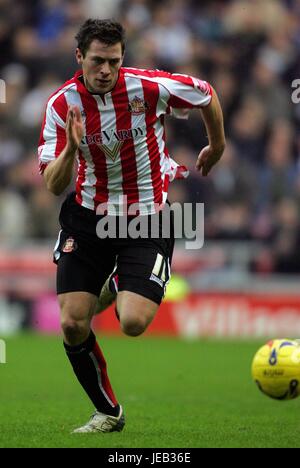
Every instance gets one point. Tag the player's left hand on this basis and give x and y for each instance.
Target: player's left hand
(207, 158)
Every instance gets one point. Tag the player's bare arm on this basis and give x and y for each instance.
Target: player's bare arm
(213, 120)
(59, 173)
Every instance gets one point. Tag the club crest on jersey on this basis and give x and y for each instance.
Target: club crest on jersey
(138, 106)
(70, 245)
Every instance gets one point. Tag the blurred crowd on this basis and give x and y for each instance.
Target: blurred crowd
(249, 50)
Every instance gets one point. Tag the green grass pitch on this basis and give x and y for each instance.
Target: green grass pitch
(175, 393)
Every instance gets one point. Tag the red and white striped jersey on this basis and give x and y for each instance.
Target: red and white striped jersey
(123, 154)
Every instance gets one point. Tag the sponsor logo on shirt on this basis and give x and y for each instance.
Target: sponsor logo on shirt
(112, 151)
(111, 141)
(107, 137)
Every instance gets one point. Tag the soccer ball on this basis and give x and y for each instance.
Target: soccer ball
(276, 369)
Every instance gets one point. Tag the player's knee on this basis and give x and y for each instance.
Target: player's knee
(74, 324)
(133, 324)
(74, 330)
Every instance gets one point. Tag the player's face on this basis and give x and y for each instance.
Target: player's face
(100, 66)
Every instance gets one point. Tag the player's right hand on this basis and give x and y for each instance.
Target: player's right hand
(74, 128)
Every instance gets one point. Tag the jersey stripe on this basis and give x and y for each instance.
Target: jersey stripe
(98, 167)
(60, 106)
(86, 178)
(42, 165)
(48, 137)
(143, 163)
(151, 97)
(127, 152)
(113, 166)
(81, 177)
(60, 140)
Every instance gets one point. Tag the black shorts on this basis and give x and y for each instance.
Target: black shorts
(84, 261)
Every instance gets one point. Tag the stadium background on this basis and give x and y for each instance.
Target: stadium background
(244, 282)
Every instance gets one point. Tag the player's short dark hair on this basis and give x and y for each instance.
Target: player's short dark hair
(108, 31)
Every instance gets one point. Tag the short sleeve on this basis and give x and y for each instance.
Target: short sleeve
(185, 92)
(174, 90)
(52, 138)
